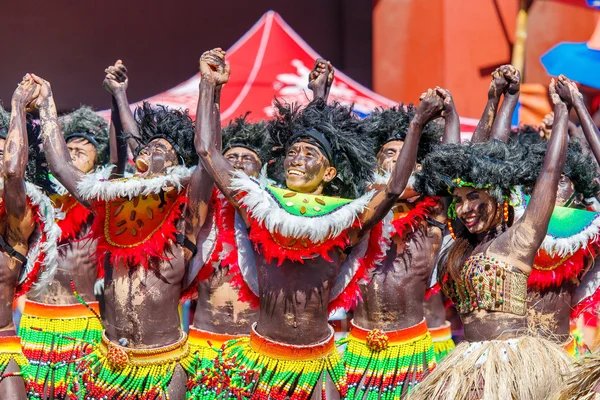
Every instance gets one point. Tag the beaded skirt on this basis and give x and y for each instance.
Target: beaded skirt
(442, 341)
(54, 337)
(524, 368)
(10, 349)
(115, 372)
(260, 368)
(204, 346)
(387, 365)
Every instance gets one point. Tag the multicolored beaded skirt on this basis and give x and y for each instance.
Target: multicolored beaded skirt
(524, 368)
(54, 337)
(387, 365)
(260, 368)
(10, 349)
(442, 341)
(115, 372)
(580, 348)
(204, 347)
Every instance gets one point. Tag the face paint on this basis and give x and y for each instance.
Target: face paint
(83, 154)
(565, 191)
(306, 168)
(244, 159)
(388, 155)
(155, 158)
(476, 209)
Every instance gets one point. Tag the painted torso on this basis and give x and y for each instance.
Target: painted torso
(394, 297)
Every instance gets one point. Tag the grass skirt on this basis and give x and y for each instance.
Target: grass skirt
(387, 365)
(442, 341)
(524, 368)
(54, 338)
(583, 383)
(259, 368)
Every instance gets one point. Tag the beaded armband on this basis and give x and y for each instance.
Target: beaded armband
(489, 284)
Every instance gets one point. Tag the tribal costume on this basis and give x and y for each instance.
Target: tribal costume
(443, 343)
(137, 223)
(291, 227)
(388, 364)
(524, 367)
(54, 335)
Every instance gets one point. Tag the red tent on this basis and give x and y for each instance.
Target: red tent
(270, 61)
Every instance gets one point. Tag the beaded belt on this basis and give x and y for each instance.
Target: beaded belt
(119, 356)
(60, 311)
(441, 333)
(377, 339)
(200, 338)
(10, 345)
(284, 351)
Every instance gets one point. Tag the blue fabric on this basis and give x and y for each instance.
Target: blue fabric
(576, 61)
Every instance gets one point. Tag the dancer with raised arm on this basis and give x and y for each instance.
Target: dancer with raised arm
(486, 269)
(146, 227)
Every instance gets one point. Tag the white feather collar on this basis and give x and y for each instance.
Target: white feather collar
(98, 186)
(265, 210)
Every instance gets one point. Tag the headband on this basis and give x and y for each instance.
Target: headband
(320, 140)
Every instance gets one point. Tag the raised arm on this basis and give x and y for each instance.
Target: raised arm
(119, 74)
(321, 78)
(502, 123)
(16, 150)
(429, 108)
(568, 91)
(57, 153)
(451, 119)
(524, 238)
(118, 144)
(484, 127)
(208, 138)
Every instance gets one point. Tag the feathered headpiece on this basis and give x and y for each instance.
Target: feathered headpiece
(251, 135)
(385, 125)
(336, 132)
(85, 123)
(175, 126)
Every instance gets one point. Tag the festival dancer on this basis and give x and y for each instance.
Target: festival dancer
(56, 328)
(486, 268)
(299, 234)
(220, 315)
(389, 347)
(28, 232)
(146, 227)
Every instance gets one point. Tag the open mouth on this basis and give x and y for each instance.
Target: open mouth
(471, 221)
(141, 165)
(295, 172)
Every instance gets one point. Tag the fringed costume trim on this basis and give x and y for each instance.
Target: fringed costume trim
(122, 373)
(262, 369)
(204, 347)
(524, 368)
(387, 365)
(10, 349)
(442, 341)
(54, 338)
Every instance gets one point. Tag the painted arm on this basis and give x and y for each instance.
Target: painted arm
(16, 150)
(451, 118)
(430, 108)
(484, 127)
(55, 147)
(208, 137)
(114, 82)
(320, 79)
(568, 91)
(524, 238)
(118, 73)
(502, 123)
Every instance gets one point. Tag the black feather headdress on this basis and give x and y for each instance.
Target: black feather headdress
(85, 123)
